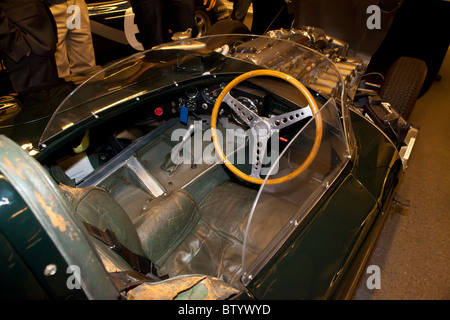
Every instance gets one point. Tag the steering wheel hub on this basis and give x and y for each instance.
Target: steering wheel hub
(262, 128)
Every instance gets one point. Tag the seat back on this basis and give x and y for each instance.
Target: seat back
(165, 224)
(97, 207)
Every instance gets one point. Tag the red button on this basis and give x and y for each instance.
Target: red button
(159, 111)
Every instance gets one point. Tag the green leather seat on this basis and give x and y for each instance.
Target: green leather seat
(170, 232)
(182, 238)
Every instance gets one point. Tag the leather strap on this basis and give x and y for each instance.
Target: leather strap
(139, 263)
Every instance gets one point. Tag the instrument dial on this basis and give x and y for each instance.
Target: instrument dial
(192, 93)
(210, 94)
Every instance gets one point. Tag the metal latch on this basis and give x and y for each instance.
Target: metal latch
(405, 151)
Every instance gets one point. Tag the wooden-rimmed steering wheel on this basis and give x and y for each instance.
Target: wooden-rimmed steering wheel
(263, 128)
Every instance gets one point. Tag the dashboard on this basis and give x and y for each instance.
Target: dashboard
(265, 97)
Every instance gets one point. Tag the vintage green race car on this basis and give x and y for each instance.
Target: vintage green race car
(223, 167)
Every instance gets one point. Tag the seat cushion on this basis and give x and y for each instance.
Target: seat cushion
(205, 251)
(165, 223)
(227, 209)
(215, 246)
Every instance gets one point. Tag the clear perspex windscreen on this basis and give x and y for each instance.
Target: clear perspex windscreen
(290, 202)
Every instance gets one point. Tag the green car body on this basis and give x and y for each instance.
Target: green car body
(344, 221)
(321, 257)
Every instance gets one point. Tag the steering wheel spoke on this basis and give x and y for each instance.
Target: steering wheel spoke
(289, 118)
(258, 153)
(242, 111)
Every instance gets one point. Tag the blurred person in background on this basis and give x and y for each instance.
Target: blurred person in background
(155, 17)
(75, 51)
(240, 8)
(28, 44)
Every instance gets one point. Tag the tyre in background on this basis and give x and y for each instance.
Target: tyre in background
(402, 84)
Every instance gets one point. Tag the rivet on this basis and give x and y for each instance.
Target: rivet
(50, 270)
